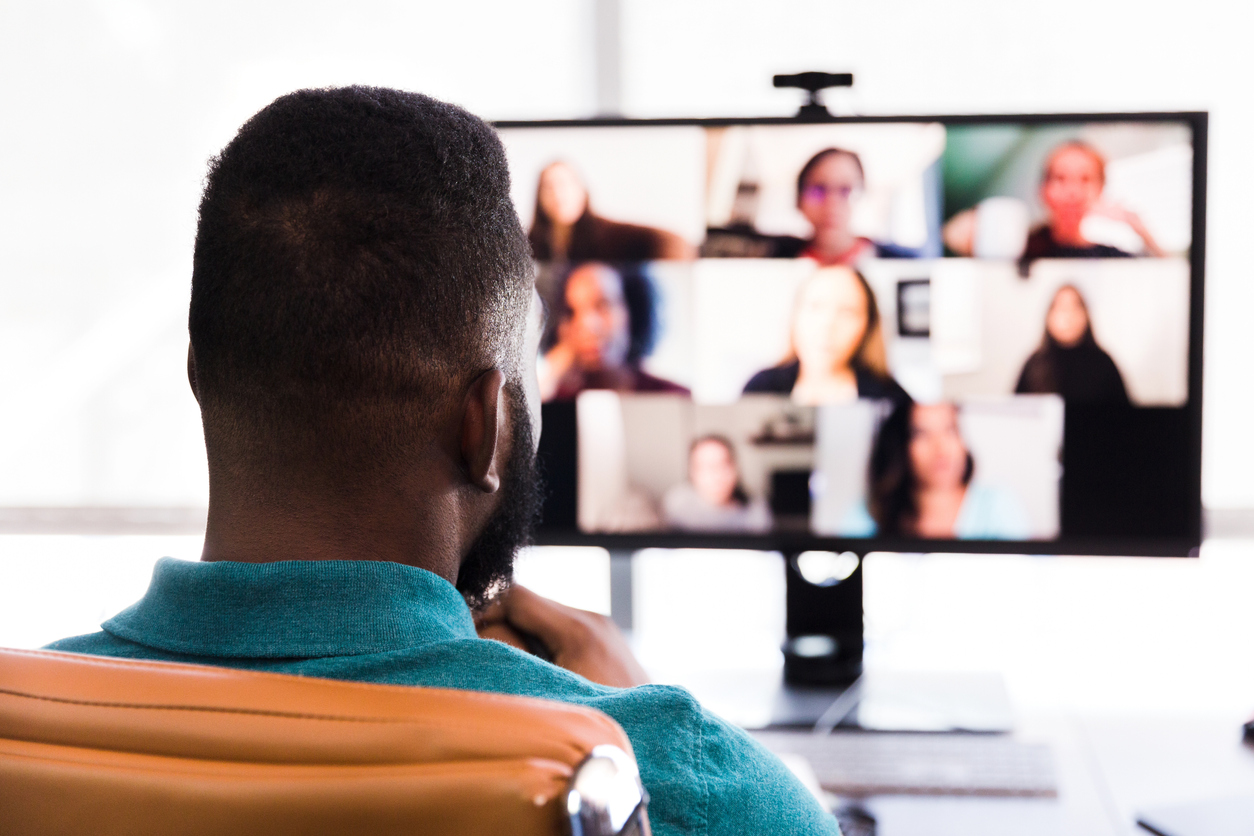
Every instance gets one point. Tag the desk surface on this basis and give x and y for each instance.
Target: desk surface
(1108, 769)
(1079, 643)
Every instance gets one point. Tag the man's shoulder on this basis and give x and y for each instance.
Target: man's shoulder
(776, 379)
(703, 773)
(645, 382)
(102, 643)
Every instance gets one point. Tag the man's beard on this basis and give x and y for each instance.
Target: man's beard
(489, 565)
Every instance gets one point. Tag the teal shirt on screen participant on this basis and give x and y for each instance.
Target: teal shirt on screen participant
(987, 513)
(372, 621)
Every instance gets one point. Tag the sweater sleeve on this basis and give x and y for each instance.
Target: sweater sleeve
(749, 790)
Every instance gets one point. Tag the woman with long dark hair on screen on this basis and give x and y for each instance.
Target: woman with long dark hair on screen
(921, 484)
(1069, 361)
(828, 187)
(564, 227)
(837, 345)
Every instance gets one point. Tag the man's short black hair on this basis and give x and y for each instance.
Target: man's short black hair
(358, 261)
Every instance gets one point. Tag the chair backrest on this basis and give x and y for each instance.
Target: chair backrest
(109, 746)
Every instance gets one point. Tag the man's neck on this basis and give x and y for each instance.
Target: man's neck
(390, 524)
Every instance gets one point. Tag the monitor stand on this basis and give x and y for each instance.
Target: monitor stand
(823, 622)
(825, 683)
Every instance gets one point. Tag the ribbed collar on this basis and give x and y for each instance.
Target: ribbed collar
(292, 609)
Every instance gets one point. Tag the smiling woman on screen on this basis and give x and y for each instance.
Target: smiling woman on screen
(1072, 181)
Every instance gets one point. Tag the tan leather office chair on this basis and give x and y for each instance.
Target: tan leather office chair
(111, 746)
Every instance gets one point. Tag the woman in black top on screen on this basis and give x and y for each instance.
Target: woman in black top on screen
(837, 345)
(1069, 361)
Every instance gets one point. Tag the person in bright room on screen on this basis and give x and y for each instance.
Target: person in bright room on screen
(565, 228)
(921, 484)
(1069, 361)
(828, 187)
(1072, 182)
(712, 499)
(606, 325)
(836, 345)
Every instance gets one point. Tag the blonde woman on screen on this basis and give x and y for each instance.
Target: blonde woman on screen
(837, 345)
(1072, 182)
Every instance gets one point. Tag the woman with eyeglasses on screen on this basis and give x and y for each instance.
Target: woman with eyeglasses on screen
(837, 345)
(828, 187)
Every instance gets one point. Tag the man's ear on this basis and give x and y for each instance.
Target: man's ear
(482, 424)
(191, 373)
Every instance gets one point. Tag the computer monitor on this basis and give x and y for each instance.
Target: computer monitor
(952, 333)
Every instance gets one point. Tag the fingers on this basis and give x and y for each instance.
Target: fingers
(586, 643)
(502, 632)
(549, 621)
(492, 613)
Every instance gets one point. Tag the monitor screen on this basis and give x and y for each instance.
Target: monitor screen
(951, 333)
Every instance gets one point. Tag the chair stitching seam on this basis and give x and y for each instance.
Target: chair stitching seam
(223, 710)
(106, 662)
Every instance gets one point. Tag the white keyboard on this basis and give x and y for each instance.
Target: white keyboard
(880, 763)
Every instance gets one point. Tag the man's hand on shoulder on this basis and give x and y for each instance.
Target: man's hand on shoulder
(582, 642)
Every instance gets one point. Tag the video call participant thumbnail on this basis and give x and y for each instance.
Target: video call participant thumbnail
(836, 340)
(1069, 361)
(606, 324)
(921, 484)
(565, 228)
(828, 187)
(1071, 189)
(1072, 181)
(712, 499)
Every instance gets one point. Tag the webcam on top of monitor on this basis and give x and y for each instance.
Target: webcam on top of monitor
(813, 83)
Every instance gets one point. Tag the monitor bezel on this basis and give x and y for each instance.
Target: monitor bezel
(792, 542)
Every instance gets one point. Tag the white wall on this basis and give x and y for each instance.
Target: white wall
(111, 109)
